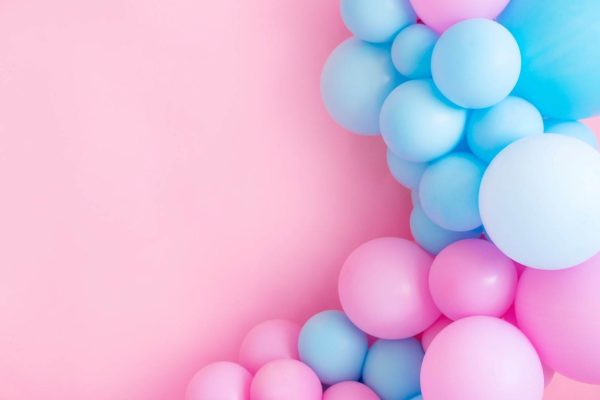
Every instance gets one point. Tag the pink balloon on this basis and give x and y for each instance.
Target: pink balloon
(479, 358)
(431, 332)
(548, 375)
(383, 288)
(349, 391)
(441, 14)
(285, 379)
(220, 380)
(268, 341)
(472, 277)
(560, 312)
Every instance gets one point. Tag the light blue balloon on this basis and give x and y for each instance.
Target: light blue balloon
(433, 238)
(476, 63)
(449, 192)
(333, 347)
(406, 172)
(575, 129)
(376, 20)
(414, 198)
(419, 397)
(540, 201)
(560, 48)
(418, 124)
(356, 79)
(393, 368)
(412, 49)
(491, 129)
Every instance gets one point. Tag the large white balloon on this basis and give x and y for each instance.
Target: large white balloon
(540, 201)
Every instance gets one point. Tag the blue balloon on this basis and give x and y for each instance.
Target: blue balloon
(560, 48)
(449, 192)
(574, 129)
(492, 129)
(393, 368)
(411, 51)
(433, 238)
(476, 63)
(376, 20)
(333, 347)
(406, 172)
(418, 124)
(414, 198)
(419, 397)
(356, 79)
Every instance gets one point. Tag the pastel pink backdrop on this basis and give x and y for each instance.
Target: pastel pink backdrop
(170, 178)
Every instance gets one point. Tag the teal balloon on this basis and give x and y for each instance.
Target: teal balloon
(376, 20)
(449, 191)
(412, 49)
(561, 55)
(406, 172)
(356, 79)
(574, 129)
(418, 124)
(491, 129)
(476, 63)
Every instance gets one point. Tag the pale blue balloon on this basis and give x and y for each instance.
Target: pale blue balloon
(449, 192)
(412, 49)
(575, 129)
(491, 129)
(356, 79)
(540, 201)
(393, 368)
(333, 347)
(406, 172)
(418, 124)
(476, 63)
(414, 198)
(433, 238)
(560, 48)
(419, 397)
(376, 20)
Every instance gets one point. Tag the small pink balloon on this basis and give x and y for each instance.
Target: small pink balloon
(472, 277)
(383, 288)
(285, 379)
(441, 14)
(268, 341)
(349, 391)
(479, 358)
(510, 316)
(548, 375)
(560, 313)
(220, 381)
(431, 332)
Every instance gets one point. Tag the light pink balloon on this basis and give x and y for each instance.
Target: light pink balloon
(560, 312)
(220, 380)
(350, 391)
(383, 288)
(285, 379)
(479, 358)
(268, 341)
(431, 332)
(472, 277)
(441, 14)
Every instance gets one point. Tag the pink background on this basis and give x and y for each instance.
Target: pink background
(170, 178)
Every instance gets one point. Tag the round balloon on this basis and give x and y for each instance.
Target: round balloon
(441, 14)
(356, 79)
(575, 129)
(376, 20)
(220, 380)
(284, 379)
(411, 51)
(349, 390)
(406, 172)
(540, 201)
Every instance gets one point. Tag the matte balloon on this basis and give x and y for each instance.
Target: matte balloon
(431, 332)
(560, 312)
(492, 129)
(418, 124)
(356, 79)
(560, 47)
(350, 391)
(574, 129)
(376, 20)
(220, 380)
(368, 288)
(412, 49)
(406, 172)
(284, 379)
(540, 201)
(476, 63)
(441, 14)
(479, 358)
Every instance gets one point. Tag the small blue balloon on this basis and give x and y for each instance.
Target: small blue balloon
(376, 20)
(411, 51)
(393, 368)
(333, 347)
(434, 238)
(418, 124)
(449, 191)
(574, 129)
(476, 63)
(492, 129)
(406, 172)
(356, 79)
